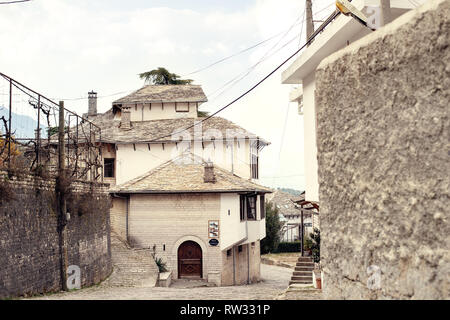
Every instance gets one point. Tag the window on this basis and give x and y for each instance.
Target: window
(181, 107)
(251, 208)
(109, 168)
(254, 162)
(262, 206)
(240, 248)
(248, 207)
(229, 253)
(242, 207)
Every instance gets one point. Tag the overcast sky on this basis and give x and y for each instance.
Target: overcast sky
(65, 48)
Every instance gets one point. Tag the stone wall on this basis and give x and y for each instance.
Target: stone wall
(383, 142)
(29, 247)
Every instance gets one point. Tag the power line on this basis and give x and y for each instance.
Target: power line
(251, 47)
(99, 97)
(218, 61)
(256, 85)
(241, 76)
(11, 2)
(231, 56)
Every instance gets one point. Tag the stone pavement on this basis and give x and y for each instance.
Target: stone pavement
(273, 285)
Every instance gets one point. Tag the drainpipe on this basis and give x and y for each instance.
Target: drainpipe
(234, 266)
(126, 219)
(248, 263)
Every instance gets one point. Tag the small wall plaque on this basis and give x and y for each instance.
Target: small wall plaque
(213, 242)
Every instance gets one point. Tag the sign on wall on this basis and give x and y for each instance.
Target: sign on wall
(213, 229)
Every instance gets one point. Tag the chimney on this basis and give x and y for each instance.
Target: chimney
(209, 176)
(92, 111)
(125, 120)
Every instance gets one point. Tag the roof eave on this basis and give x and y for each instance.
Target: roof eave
(188, 191)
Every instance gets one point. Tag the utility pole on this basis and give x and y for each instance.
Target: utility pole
(385, 12)
(309, 20)
(302, 233)
(61, 194)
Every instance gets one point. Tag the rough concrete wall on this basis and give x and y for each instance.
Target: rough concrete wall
(29, 250)
(383, 140)
(242, 265)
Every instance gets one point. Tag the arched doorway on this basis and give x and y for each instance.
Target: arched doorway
(189, 260)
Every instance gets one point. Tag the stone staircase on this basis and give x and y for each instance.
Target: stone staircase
(131, 267)
(303, 272)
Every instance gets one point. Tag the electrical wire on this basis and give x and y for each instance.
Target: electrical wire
(212, 64)
(11, 2)
(249, 90)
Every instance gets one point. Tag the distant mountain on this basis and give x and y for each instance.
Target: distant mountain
(291, 191)
(23, 126)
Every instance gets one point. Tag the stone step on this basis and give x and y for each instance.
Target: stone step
(310, 269)
(305, 259)
(302, 278)
(303, 273)
(300, 282)
(305, 264)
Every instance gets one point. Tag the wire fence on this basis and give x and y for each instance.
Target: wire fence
(36, 138)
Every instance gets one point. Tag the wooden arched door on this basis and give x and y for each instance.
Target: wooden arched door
(190, 260)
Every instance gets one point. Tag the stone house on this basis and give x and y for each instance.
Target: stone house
(185, 188)
(290, 215)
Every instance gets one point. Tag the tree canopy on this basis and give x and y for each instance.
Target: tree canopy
(273, 228)
(162, 76)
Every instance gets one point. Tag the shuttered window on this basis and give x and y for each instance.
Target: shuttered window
(262, 206)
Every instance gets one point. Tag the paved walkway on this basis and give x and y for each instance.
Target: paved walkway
(273, 285)
(135, 273)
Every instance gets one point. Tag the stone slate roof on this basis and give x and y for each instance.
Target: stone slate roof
(165, 93)
(283, 201)
(146, 131)
(185, 174)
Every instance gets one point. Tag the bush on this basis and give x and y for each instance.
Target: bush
(315, 237)
(273, 228)
(161, 265)
(289, 247)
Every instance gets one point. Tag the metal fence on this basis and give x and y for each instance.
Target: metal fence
(34, 138)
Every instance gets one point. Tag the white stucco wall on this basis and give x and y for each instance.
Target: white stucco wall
(232, 229)
(156, 111)
(310, 145)
(131, 163)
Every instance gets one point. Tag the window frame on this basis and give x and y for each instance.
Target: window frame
(252, 216)
(177, 107)
(262, 206)
(254, 161)
(113, 167)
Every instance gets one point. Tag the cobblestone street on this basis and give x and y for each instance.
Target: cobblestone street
(273, 286)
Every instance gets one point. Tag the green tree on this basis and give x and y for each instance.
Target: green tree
(202, 114)
(273, 229)
(315, 247)
(162, 76)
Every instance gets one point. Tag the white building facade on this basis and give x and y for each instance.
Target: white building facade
(339, 33)
(185, 188)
